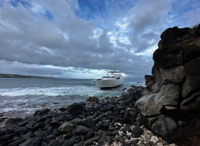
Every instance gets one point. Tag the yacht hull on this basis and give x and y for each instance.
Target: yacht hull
(105, 84)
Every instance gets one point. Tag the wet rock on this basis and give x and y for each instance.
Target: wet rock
(76, 108)
(13, 121)
(39, 125)
(30, 124)
(81, 130)
(64, 117)
(20, 130)
(66, 127)
(92, 99)
(40, 113)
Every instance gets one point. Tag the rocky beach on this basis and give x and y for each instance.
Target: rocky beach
(164, 113)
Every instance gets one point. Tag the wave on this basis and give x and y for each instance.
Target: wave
(55, 91)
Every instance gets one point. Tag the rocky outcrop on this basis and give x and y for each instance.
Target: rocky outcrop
(175, 95)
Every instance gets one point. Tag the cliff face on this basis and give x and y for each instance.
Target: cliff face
(173, 105)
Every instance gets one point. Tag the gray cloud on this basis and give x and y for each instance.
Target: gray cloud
(67, 40)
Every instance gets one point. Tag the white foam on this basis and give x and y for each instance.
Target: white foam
(52, 91)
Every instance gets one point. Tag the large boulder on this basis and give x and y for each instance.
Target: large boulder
(193, 67)
(191, 84)
(192, 103)
(172, 33)
(169, 56)
(164, 125)
(191, 50)
(173, 75)
(151, 105)
(149, 81)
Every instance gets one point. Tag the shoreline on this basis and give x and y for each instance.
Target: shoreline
(111, 121)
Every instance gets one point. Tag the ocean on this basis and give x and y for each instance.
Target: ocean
(20, 97)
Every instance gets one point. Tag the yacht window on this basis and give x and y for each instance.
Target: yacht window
(106, 77)
(117, 77)
(113, 76)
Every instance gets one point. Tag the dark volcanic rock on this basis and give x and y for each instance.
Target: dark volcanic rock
(13, 121)
(40, 113)
(35, 141)
(76, 108)
(137, 131)
(81, 130)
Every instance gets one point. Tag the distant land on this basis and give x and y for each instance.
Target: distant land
(17, 76)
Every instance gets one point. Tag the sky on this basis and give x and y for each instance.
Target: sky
(86, 38)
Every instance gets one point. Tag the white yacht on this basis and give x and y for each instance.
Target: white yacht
(111, 80)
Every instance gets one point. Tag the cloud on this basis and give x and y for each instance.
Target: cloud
(85, 36)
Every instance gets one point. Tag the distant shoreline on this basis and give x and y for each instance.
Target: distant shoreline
(17, 76)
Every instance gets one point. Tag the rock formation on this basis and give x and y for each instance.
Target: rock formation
(172, 107)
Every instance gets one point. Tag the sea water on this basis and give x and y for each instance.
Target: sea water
(20, 97)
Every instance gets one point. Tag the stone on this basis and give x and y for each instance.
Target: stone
(164, 125)
(69, 142)
(66, 127)
(30, 124)
(61, 139)
(20, 130)
(76, 121)
(193, 67)
(17, 142)
(13, 121)
(81, 130)
(89, 134)
(41, 113)
(137, 131)
(172, 33)
(90, 123)
(92, 99)
(49, 138)
(149, 81)
(39, 125)
(191, 103)
(151, 105)
(53, 143)
(76, 108)
(64, 117)
(173, 75)
(191, 83)
(35, 141)
(6, 137)
(168, 57)
(191, 51)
